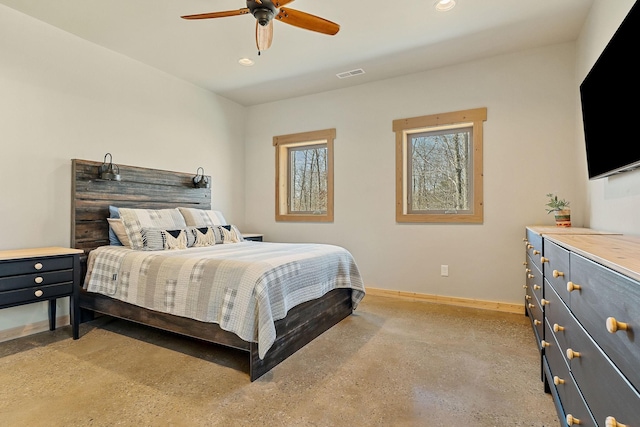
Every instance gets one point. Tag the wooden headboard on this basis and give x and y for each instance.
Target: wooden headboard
(139, 188)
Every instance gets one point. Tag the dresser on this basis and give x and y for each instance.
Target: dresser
(585, 293)
(41, 274)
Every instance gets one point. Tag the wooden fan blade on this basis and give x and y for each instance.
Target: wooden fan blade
(307, 21)
(264, 36)
(242, 11)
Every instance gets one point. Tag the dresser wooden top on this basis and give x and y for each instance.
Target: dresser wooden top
(616, 251)
(550, 229)
(37, 252)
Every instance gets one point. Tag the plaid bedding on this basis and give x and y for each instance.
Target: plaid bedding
(243, 287)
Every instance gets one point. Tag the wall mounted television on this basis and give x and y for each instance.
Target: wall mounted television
(609, 96)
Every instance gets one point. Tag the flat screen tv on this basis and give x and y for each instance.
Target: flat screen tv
(610, 96)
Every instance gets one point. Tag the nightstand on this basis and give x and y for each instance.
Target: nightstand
(41, 274)
(255, 237)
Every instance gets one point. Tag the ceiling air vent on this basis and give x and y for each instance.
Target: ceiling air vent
(350, 73)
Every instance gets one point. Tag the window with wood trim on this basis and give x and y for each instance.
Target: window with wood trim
(439, 167)
(304, 176)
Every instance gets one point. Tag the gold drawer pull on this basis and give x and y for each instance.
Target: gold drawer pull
(527, 297)
(557, 328)
(544, 301)
(571, 420)
(527, 270)
(571, 354)
(524, 286)
(529, 245)
(38, 266)
(613, 325)
(557, 380)
(531, 305)
(557, 274)
(611, 422)
(38, 280)
(537, 322)
(544, 343)
(573, 287)
(530, 276)
(536, 287)
(38, 293)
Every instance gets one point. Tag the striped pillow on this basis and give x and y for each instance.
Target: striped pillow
(201, 217)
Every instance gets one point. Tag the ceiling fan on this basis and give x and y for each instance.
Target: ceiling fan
(265, 11)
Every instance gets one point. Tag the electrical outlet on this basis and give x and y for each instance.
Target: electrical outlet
(444, 270)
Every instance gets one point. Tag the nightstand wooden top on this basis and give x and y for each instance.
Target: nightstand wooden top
(37, 252)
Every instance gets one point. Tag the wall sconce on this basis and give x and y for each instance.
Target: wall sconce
(201, 181)
(109, 172)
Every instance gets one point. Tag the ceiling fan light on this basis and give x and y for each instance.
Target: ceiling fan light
(263, 16)
(445, 5)
(247, 62)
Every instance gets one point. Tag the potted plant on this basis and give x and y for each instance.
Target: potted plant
(561, 210)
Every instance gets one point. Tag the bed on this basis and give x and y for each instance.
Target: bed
(290, 310)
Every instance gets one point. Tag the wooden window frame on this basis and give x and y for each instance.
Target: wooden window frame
(282, 144)
(403, 127)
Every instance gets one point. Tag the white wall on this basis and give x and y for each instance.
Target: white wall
(528, 152)
(613, 202)
(63, 98)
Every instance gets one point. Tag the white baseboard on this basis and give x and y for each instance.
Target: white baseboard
(439, 299)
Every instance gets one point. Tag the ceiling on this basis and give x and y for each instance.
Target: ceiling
(384, 38)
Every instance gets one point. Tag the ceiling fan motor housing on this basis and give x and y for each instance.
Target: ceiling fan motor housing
(262, 10)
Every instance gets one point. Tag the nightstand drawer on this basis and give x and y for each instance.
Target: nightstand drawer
(35, 265)
(30, 280)
(35, 293)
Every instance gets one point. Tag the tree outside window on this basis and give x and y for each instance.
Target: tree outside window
(304, 176)
(439, 167)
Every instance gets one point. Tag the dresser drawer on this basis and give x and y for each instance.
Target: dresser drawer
(561, 322)
(535, 314)
(607, 392)
(534, 247)
(556, 268)
(534, 280)
(35, 293)
(37, 279)
(605, 294)
(562, 381)
(35, 265)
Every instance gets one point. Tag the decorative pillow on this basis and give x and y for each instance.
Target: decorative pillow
(155, 239)
(135, 220)
(117, 227)
(230, 234)
(206, 236)
(114, 240)
(201, 217)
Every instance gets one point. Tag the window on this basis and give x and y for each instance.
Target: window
(304, 176)
(439, 167)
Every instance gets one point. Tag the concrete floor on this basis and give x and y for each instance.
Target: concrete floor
(392, 363)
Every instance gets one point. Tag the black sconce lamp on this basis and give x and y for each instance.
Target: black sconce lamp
(200, 181)
(109, 172)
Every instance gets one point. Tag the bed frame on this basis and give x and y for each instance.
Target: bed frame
(157, 189)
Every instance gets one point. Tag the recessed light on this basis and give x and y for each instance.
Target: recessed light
(445, 5)
(246, 62)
